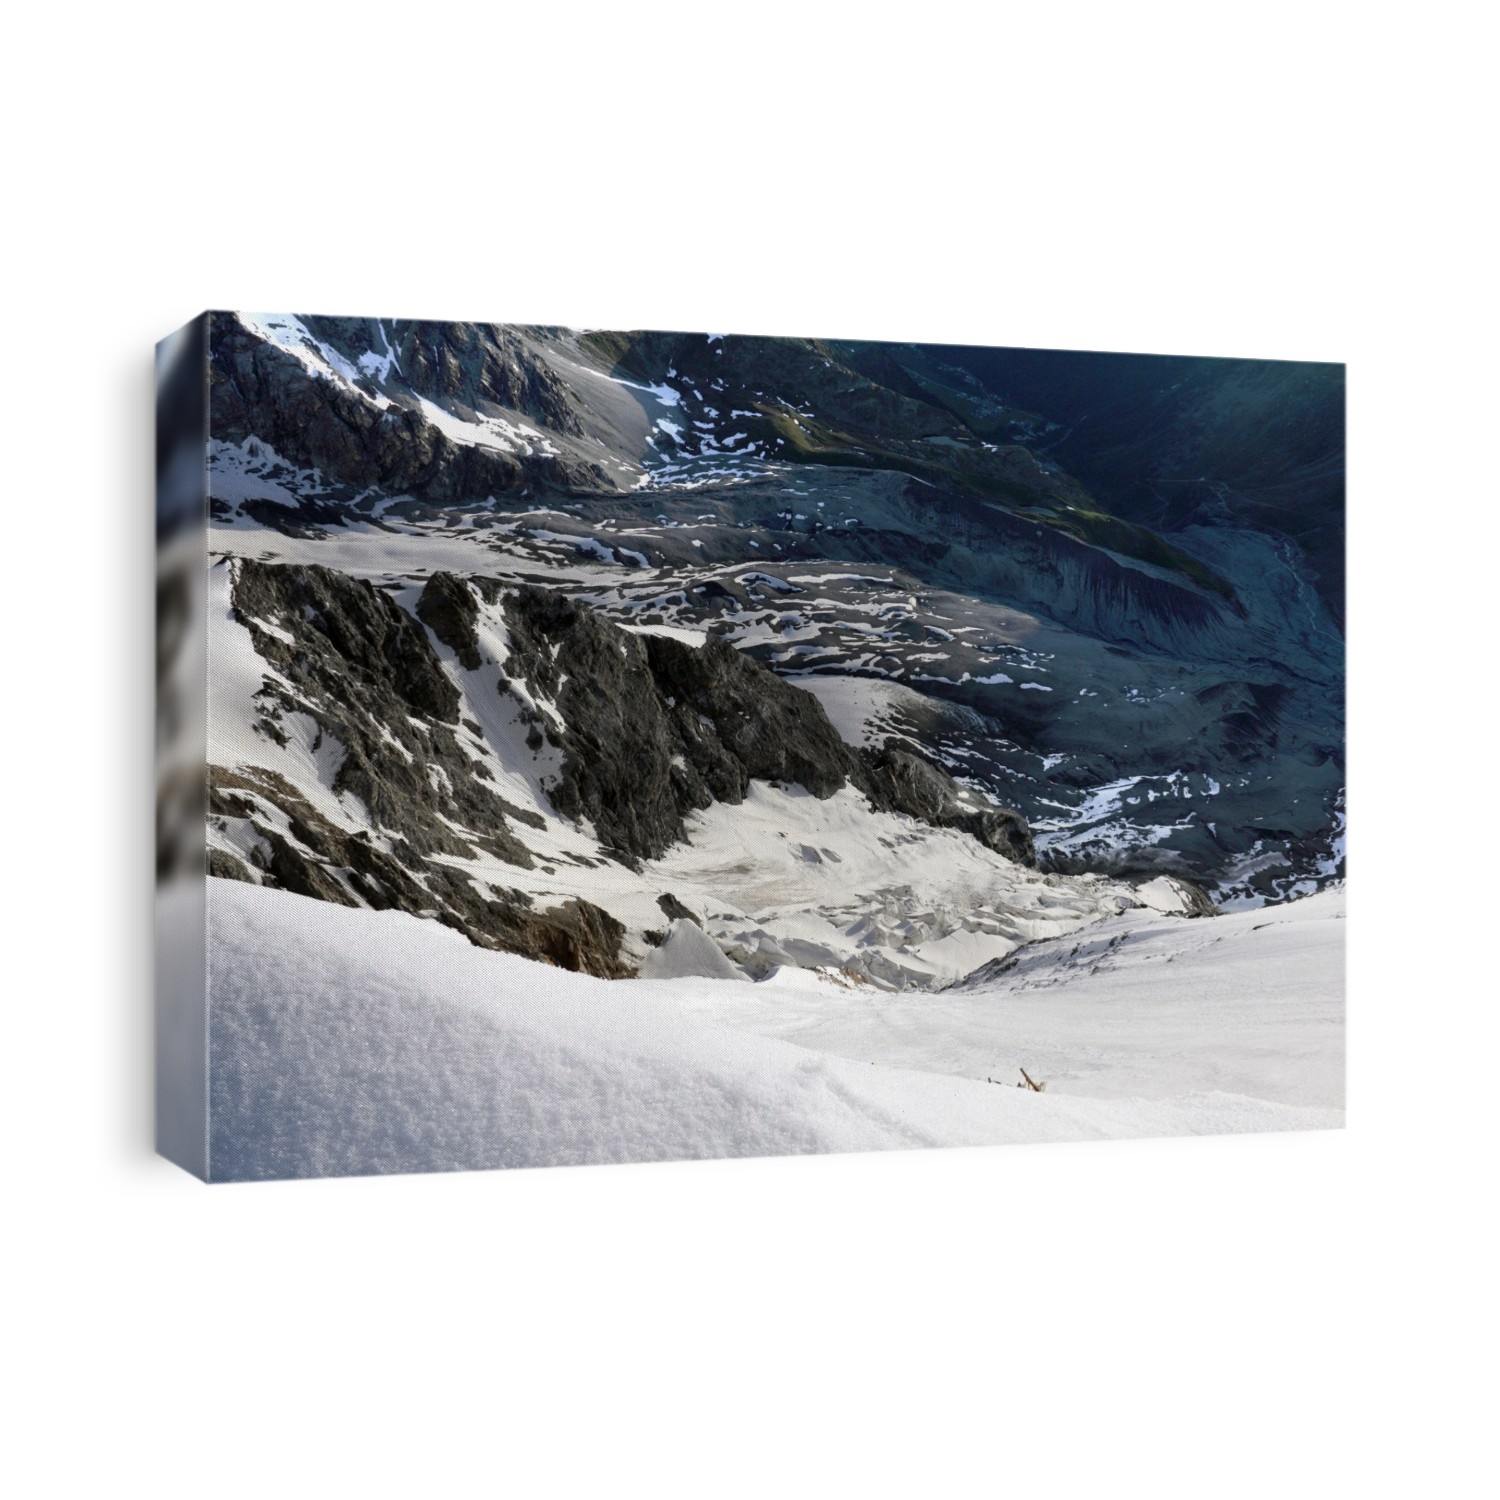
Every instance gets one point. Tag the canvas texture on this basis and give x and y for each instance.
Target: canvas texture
(582, 746)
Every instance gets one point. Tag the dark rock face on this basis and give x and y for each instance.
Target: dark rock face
(905, 783)
(575, 935)
(619, 745)
(909, 783)
(678, 911)
(363, 670)
(227, 867)
(449, 609)
(737, 720)
(359, 435)
(314, 858)
(258, 389)
(335, 615)
(471, 364)
(330, 864)
(657, 728)
(653, 732)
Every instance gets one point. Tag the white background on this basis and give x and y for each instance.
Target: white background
(1289, 1316)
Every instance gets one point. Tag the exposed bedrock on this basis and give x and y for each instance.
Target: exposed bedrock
(313, 857)
(656, 728)
(620, 768)
(341, 623)
(906, 783)
(357, 435)
(364, 672)
(738, 721)
(649, 729)
(449, 608)
(474, 365)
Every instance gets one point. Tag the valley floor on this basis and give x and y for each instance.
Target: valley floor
(353, 1041)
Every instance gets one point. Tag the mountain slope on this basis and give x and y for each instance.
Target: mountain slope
(877, 525)
(549, 783)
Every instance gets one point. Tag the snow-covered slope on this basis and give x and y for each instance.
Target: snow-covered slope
(1139, 1005)
(349, 1041)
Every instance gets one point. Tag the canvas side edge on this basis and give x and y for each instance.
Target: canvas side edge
(181, 748)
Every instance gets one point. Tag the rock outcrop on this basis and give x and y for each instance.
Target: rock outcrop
(656, 728)
(364, 672)
(647, 728)
(905, 783)
(365, 431)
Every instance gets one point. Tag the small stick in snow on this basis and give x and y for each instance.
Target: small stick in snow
(1036, 1088)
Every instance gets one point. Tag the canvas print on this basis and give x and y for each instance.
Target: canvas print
(583, 746)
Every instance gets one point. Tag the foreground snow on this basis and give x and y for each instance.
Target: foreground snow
(349, 1041)
(1135, 1006)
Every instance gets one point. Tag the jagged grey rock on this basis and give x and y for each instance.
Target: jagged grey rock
(651, 729)
(656, 728)
(906, 783)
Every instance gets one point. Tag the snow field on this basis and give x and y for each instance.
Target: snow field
(347, 1041)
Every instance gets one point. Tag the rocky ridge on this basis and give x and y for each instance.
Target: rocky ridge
(646, 730)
